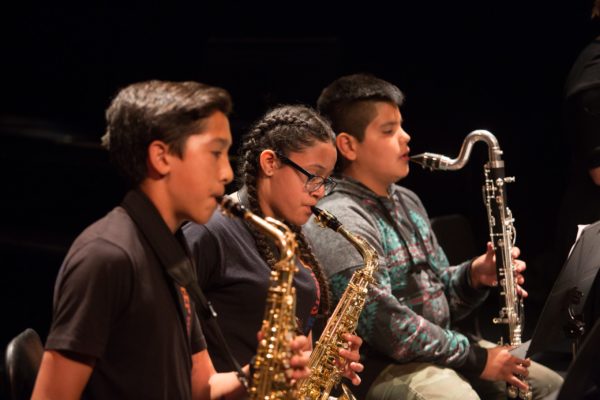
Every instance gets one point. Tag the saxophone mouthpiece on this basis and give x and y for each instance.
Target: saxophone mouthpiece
(231, 206)
(325, 218)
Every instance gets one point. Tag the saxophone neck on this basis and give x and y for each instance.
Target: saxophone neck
(282, 235)
(435, 161)
(328, 220)
(367, 252)
(285, 239)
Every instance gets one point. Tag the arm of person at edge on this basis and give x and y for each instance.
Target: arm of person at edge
(61, 377)
(500, 364)
(595, 175)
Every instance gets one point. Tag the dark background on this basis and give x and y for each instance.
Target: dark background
(463, 65)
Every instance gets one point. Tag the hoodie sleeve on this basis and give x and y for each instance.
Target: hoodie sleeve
(393, 329)
(462, 297)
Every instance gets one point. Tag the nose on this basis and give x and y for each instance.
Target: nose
(319, 193)
(226, 173)
(403, 137)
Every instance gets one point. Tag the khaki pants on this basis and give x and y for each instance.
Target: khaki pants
(425, 381)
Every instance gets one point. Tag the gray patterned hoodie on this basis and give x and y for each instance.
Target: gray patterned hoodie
(407, 314)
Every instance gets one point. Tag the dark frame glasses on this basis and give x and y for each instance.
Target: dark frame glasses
(314, 182)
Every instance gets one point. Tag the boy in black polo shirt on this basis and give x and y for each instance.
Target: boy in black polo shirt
(121, 327)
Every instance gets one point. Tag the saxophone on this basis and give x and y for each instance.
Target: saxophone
(502, 230)
(325, 359)
(278, 329)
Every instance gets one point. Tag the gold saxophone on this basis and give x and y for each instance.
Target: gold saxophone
(325, 359)
(502, 231)
(269, 381)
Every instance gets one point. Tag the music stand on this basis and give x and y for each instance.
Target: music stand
(579, 271)
(582, 374)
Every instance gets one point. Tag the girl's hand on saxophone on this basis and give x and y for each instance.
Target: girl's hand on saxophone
(352, 367)
(299, 360)
(483, 270)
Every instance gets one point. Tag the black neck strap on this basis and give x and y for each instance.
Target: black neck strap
(176, 263)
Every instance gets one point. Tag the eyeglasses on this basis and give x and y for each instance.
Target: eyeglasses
(314, 182)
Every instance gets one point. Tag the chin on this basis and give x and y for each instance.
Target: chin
(302, 221)
(205, 216)
(299, 220)
(403, 174)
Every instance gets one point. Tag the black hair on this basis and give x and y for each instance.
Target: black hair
(348, 102)
(157, 110)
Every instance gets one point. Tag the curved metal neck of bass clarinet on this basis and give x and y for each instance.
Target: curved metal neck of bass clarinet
(435, 161)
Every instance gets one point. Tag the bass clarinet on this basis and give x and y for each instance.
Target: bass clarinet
(502, 231)
(269, 381)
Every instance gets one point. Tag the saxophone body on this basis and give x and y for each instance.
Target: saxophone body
(269, 381)
(325, 359)
(501, 226)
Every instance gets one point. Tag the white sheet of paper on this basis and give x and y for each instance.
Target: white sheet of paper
(580, 229)
(521, 350)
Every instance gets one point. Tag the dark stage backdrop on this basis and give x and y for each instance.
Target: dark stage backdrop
(463, 65)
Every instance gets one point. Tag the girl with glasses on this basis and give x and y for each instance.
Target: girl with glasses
(283, 169)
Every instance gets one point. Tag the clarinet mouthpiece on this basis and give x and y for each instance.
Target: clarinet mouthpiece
(431, 161)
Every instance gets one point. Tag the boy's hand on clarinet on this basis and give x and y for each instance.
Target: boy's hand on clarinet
(501, 365)
(483, 270)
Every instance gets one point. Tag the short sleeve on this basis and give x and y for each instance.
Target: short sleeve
(92, 292)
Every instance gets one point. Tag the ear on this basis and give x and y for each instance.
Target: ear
(347, 145)
(268, 162)
(158, 158)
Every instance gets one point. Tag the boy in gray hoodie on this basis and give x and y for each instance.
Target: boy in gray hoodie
(410, 351)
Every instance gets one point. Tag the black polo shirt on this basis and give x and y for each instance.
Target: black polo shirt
(114, 302)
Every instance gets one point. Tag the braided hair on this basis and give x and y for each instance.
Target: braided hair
(285, 129)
